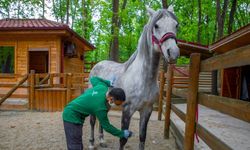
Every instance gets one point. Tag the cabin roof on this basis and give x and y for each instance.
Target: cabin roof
(39, 24)
(234, 40)
(187, 48)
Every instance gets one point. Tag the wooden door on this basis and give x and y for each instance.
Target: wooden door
(38, 61)
(231, 82)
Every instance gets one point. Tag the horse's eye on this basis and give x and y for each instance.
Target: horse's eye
(156, 26)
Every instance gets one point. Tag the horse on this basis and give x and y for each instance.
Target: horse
(138, 75)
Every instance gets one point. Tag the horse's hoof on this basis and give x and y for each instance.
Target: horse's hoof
(103, 145)
(91, 147)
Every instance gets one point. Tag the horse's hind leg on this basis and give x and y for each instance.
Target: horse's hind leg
(92, 136)
(126, 117)
(144, 118)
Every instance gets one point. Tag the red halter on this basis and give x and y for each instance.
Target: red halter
(166, 36)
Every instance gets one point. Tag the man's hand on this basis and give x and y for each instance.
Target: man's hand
(127, 134)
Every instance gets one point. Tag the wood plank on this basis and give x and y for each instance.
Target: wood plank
(234, 107)
(162, 82)
(178, 112)
(234, 58)
(178, 135)
(180, 92)
(212, 141)
(192, 101)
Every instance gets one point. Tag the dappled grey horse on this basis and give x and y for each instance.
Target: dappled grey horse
(138, 75)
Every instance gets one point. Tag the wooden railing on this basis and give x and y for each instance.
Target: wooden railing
(233, 107)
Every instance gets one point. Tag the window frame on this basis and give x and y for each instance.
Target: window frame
(10, 75)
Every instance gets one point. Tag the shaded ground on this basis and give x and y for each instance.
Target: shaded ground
(44, 131)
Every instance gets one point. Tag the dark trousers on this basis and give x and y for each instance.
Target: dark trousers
(73, 134)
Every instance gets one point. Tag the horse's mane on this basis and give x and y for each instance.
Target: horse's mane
(145, 39)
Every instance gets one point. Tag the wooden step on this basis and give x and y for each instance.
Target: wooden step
(15, 104)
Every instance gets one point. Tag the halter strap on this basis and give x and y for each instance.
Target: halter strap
(166, 36)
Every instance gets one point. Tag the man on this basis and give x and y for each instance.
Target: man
(94, 101)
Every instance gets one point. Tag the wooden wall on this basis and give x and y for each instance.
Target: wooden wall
(23, 43)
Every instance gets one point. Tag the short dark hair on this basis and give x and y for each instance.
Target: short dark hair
(118, 94)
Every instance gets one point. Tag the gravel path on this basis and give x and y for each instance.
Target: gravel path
(29, 130)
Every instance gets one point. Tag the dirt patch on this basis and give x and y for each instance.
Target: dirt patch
(44, 131)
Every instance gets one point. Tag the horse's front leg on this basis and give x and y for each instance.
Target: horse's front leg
(126, 117)
(101, 138)
(145, 114)
(92, 136)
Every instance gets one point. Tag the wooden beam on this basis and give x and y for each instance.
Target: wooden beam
(211, 140)
(178, 112)
(234, 58)
(234, 107)
(170, 73)
(162, 83)
(32, 89)
(192, 101)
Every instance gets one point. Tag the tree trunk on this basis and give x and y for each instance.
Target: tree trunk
(114, 47)
(221, 17)
(199, 22)
(164, 4)
(231, 16)
(67, 12)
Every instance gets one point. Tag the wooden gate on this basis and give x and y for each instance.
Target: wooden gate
(55, 90)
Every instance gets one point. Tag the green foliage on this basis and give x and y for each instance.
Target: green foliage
(182, 60)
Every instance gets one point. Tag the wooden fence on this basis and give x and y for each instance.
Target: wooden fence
(233, 107)
(51, 92)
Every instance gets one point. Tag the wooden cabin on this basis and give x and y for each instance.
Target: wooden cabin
(234, 82)
(41, 45)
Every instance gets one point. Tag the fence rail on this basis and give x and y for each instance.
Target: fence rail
(233, 107)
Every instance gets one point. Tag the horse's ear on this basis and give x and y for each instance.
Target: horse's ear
(150, 11)
(171, 8)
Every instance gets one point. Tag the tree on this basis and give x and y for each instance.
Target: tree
(114, 46)
(221, 15)
(199, 22)
(231, 16)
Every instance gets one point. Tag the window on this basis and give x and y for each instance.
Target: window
(7, 59)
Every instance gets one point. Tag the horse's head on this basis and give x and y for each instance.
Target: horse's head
(162, 32)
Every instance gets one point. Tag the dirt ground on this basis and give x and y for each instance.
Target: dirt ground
(26, 130)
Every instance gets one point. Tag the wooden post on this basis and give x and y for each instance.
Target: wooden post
(32, 89)
(51, 80)
(168, 101)
(162, 83)
(194, 70)
(69, 83)
(36, 79)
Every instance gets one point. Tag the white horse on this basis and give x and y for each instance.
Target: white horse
(138, 75)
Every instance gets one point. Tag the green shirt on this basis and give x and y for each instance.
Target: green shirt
(91, 102)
